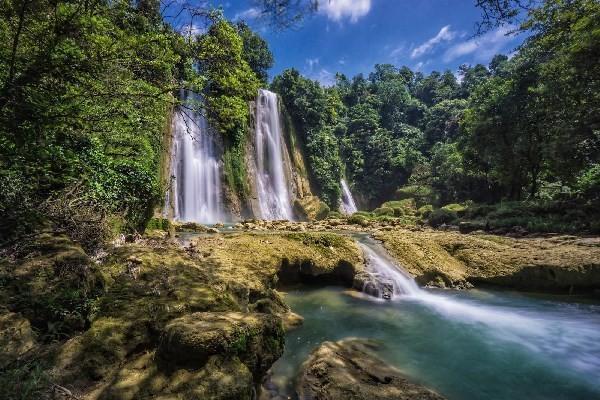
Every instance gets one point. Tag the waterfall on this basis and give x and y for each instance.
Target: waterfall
(195, 193)
(273, 193)
(385, 273)
(348, 206)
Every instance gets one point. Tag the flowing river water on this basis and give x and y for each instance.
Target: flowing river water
(465, 344)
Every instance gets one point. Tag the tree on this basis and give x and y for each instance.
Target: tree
(256, 52)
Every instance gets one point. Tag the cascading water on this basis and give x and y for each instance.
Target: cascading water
(348, 206)
(195, 193)
(273, 192)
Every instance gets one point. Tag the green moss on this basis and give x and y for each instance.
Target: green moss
(441, 216)
(388, 211)
(163, 224)
(425, 211)
(322, 212)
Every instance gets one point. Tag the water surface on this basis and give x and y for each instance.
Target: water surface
(465, 345)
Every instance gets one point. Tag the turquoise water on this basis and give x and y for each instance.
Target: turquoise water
(463, 344)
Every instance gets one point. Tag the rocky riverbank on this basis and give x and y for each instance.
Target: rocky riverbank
(153, 318)
(451, 259)
(199, 316)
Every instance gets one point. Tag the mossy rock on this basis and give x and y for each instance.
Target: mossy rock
(388, 211)
(458, 209)
(358, 219)
(53, 286)
(405, 207)
(425, 211)
(16, 337)
(441, 216)
(335, 215)
(255, 338)
(310, 208)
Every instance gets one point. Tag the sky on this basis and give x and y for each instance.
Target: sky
(351, 36)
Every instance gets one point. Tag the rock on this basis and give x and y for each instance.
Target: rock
(348, 370)
(212, 230)
(16, 337)
(373, 285)
(219, 225)
(291, 321)
(469, 226)
(450, 259)
(255, 338)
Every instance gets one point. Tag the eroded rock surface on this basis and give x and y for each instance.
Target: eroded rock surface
(156, 319)
(348, 370)
(451, 259)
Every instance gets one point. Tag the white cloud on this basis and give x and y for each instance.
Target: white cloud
(325, 77)
(483, 47)
(251, 13)
(444, 35)
(312, 62)
(339, 9)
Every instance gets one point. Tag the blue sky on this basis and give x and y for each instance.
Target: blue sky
(351, 36)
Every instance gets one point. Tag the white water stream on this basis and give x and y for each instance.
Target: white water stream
(550, 334)
(195, 166)
(347, 205)
(272, 187)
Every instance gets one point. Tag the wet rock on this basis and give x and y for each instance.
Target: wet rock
(212, 230)
(348, 370)
(373, 285)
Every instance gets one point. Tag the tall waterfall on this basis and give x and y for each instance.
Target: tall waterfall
(348, 206)
(273, 193)
(195, 166)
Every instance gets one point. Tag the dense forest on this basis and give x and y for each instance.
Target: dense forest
(523, 128)
(87, 90)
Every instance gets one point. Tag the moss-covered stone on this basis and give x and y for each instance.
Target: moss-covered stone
(51, 282)
(451, 258)
(349, 370)
(255, 338)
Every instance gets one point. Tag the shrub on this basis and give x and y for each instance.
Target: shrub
(425, 211)
(402, 207)
(422, 194)
(322, 212)
(384, 211)
(455, 208)
(358, 219)
(335, 215)
(441, 216)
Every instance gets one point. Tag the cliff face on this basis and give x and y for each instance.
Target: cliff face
(295, 167)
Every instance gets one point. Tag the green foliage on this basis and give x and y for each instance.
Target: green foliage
(384, 211)
(85, 94)
(315, 113)
(230, 84)
(425, 211)
(256, 51)
(322, 212)
(441, 216)
(588, 183)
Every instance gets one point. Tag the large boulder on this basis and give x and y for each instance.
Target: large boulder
(16, 337)
(348, 370)
(255, 338)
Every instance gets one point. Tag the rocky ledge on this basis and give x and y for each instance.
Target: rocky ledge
(451, 259)
(348, 370)
(152, 318)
